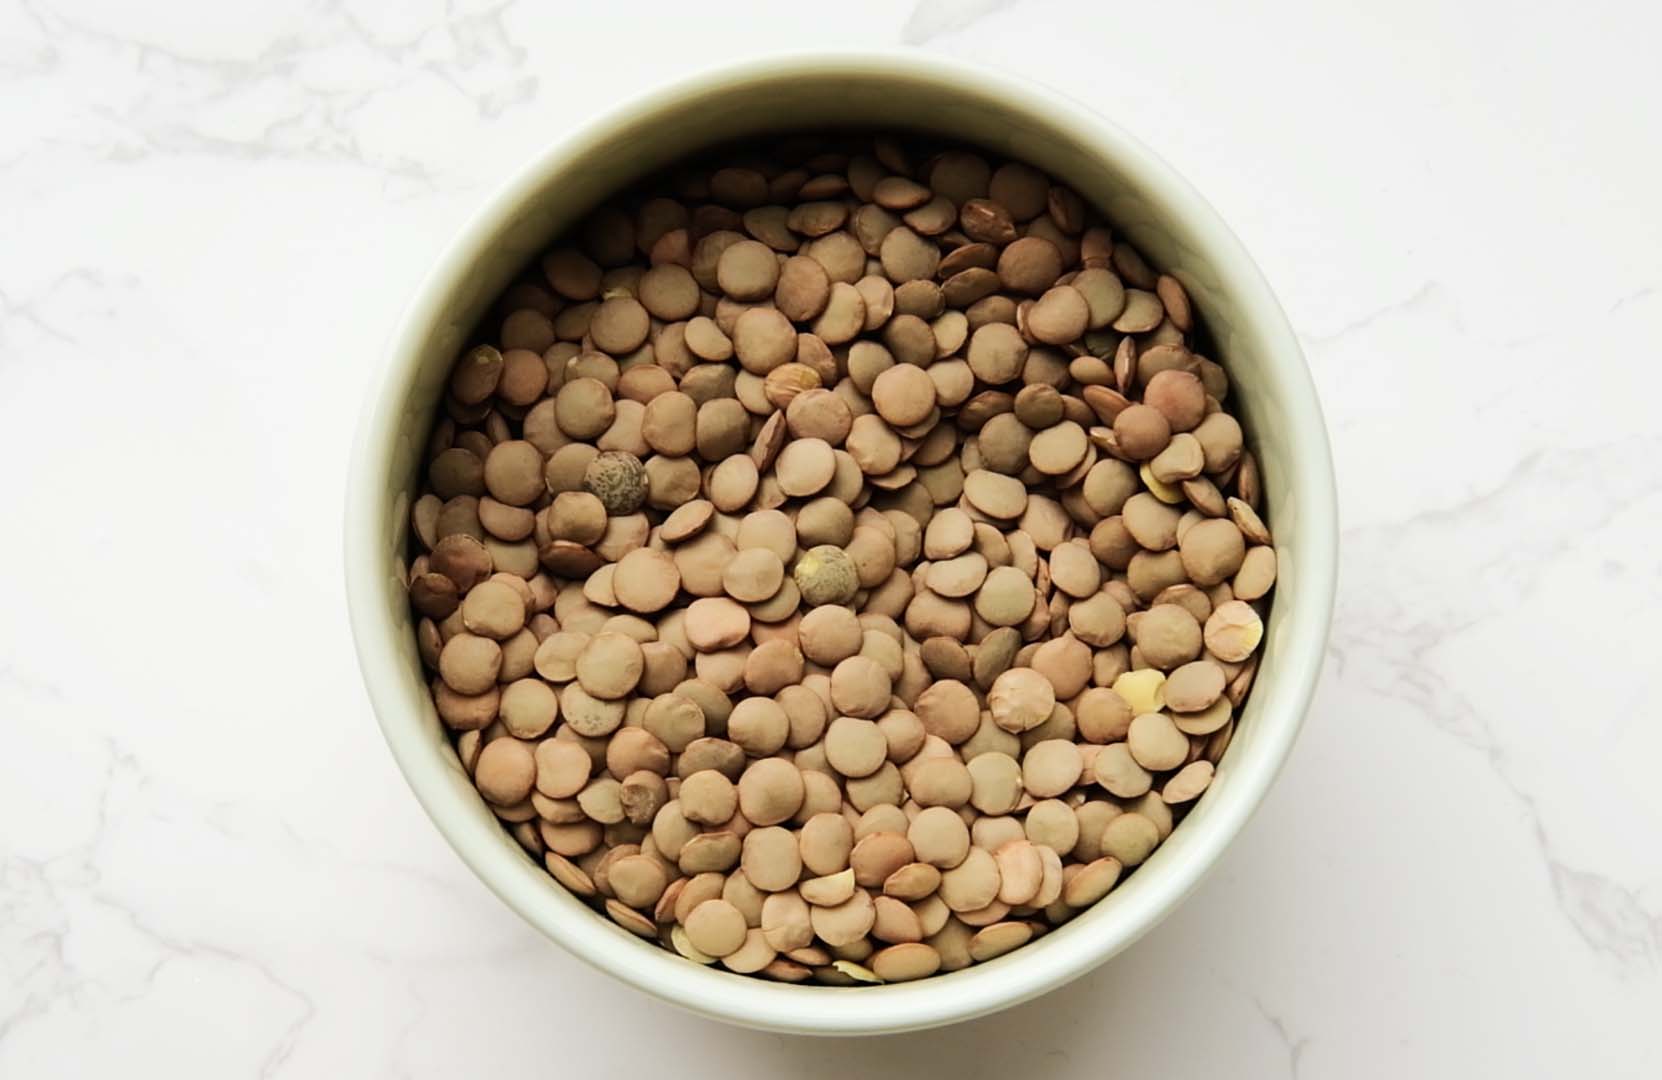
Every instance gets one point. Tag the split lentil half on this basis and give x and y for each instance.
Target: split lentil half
(836, 560)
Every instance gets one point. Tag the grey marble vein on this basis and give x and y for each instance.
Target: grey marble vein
(1294, 1048)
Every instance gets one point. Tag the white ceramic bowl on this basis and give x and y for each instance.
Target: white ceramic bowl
(1143, 199)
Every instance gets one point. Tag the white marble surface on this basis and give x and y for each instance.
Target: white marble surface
(212, 214)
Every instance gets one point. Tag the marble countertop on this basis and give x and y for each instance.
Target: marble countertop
(209, 866)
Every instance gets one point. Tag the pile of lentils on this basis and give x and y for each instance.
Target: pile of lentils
(837, 563)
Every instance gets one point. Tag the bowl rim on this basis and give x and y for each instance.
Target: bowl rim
(1035, 969)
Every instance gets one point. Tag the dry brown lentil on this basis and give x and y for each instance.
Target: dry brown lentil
(884, 476)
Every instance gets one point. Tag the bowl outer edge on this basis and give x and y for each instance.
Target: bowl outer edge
(901, 1007)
